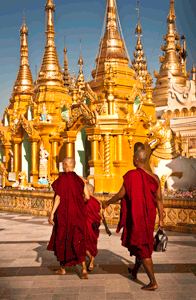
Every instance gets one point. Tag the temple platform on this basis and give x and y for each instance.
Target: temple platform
(26, 266)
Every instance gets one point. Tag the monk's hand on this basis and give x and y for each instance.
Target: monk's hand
(105, 204)
(161, 224)
(50, 220)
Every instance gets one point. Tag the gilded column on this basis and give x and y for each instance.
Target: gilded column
(17, 158)
(119, 148)
(94, 139)
(54, 165)
(70, 138)
(107, 155)
(34, 159)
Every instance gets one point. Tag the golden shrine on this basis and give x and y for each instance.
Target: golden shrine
(41, 125)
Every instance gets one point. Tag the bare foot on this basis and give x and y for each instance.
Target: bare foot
(91, 266)
(84, 274)
(150, 287)
(133, 274)
(60, 271)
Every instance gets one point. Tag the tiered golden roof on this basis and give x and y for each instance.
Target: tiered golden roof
(171, 62)
(139, 63)
(66, 75)
(24, 81)
(50, 72)
(112, 54)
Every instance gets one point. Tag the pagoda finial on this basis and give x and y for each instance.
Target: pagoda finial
(80, 61)
(171, 16)
(138, 29)
(139, 62)
(50, 70)
(24, 81)
(66, 75)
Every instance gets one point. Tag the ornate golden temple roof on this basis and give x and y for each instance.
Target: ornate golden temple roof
(171, 61)
(139, 63)
(24, 82)
(50, 71)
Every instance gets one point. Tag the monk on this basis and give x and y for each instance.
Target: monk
(142, 194)
(93, 219)
(69, 219)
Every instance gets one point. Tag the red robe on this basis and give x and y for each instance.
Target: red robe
(138, 213)
(68, 236)
(93, 220)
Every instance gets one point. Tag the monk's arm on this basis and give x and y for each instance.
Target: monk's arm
(86, 193)
(160, 205)
(115, 198)
(54, 208)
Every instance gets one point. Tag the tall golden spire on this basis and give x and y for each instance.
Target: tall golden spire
(66, 75)
(139, 62)
(170, 61)
(24, 81)
(50, 72)
(111, 46)
(112, 58)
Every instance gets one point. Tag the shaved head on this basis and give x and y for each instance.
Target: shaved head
(69, 164)
(70, 161)
(91, 189)
(141, 155)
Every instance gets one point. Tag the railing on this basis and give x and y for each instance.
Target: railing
(179, 214)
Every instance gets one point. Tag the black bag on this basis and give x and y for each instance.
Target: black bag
(160, 241)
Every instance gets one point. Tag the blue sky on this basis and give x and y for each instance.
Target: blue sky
(76, 19)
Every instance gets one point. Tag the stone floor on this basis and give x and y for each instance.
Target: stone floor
(26, 266)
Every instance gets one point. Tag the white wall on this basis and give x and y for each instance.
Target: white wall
(80, 152)
(26, 157)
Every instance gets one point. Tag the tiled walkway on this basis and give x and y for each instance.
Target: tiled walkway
(26, 266)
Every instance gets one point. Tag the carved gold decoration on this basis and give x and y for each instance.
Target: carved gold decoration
(82, 110)
(163, 180)
(107, 155)
(3, 173)
(23, 180)
(94, 137)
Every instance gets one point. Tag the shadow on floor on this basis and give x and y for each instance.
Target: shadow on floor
(107, 262)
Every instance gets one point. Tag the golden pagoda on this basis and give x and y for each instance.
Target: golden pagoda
(173, 61)
(60, 115)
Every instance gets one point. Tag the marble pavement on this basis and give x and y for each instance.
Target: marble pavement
(26, 266)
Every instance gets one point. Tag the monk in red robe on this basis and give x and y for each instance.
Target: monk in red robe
(69, 219)
(142, 194)
(93, 219)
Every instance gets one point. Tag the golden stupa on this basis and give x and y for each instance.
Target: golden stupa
(42, 122)
(173, 61)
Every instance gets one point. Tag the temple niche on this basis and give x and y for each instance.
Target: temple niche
(174, 93)
(99, 122)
